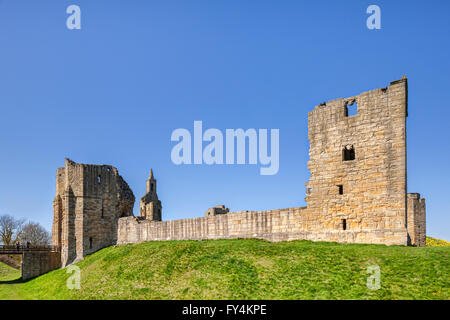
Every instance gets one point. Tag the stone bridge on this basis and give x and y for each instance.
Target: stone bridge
(36, 260)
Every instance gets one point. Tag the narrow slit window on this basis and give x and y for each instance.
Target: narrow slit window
(90, 243)
(348, 153)
(344, 224)
(99, 179)
(351, 109)
(103, 211)
(341, 189)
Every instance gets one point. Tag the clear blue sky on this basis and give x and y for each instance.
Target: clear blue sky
(113, 92)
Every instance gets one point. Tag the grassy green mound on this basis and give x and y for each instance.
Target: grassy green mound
(8, 273)
(432, 242)
(8, 288)
(250, 269)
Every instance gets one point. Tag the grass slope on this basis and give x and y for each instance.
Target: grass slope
(9, 289)
(8, 273)
(248, 269)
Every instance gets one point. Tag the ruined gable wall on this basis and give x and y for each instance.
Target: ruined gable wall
(99, 208)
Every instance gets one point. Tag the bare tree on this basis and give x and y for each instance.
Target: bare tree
(34, 234)
(10, 228)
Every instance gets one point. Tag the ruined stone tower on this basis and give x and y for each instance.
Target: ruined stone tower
(88, 203)
(150, 206)
(358, 166)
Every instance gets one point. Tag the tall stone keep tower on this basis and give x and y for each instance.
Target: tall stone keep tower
(150, 206)
(88, 203)
(358, 168)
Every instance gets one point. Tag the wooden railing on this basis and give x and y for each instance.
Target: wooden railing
(15, 249)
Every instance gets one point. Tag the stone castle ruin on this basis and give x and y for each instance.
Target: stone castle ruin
(89, 201)
(357, 191)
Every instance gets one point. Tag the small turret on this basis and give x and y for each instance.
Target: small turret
(151, 184)
(150, 206)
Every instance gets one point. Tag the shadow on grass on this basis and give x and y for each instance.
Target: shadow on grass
(15, 281)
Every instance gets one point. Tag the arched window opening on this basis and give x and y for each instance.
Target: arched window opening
(351, 108)
(348, 153)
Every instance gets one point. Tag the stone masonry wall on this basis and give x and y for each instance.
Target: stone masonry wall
(36, 263)
(272, 225)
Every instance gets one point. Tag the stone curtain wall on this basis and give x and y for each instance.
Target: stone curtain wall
(272, 225)
(264, 224)
(36, 263)
(416, 220)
